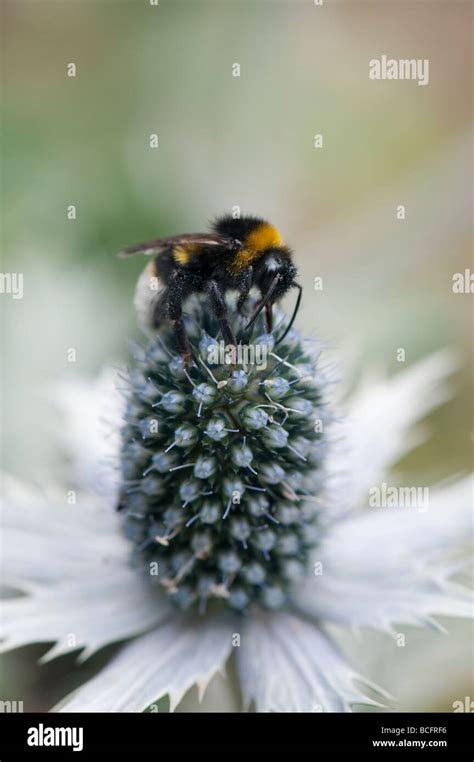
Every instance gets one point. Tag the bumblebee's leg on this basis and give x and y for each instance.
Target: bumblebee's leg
(219, 308)
(182, 341)
(244, 287)
(268, 317)
(177, 291)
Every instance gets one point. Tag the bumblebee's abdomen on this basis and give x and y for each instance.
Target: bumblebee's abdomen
(149, 295)
(164, 264)
(193, 258)
(184, 254)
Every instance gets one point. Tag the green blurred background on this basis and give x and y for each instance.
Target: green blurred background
(245, 141)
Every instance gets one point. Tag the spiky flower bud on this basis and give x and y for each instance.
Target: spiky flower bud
(217, 463)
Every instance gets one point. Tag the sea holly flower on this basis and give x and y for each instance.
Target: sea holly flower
(242, 530)
(209, 461)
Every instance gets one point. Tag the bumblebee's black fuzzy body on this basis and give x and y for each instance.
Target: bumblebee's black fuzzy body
(238, 254)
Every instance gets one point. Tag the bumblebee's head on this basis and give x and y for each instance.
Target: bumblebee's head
(275, 261)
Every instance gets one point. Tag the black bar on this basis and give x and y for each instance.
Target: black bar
(443, 734)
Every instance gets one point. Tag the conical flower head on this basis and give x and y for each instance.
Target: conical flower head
(222, 465)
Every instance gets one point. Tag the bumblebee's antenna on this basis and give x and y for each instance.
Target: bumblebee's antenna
(295, 312)
(264, 302)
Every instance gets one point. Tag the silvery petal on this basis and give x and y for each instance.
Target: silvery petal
(185, 651)
(92, 415)
(286, 664)
(378, 429)
(88, 613)
(46, 539)
(393, 564)
(222, 695)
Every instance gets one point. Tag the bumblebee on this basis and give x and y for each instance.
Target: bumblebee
(239, 254)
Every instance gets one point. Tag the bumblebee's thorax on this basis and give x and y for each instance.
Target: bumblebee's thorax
(256, 235)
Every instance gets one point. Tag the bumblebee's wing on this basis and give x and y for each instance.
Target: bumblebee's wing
(159, 244)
